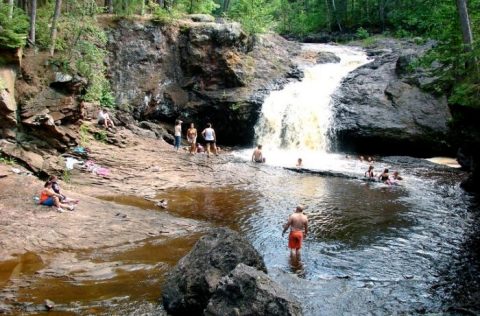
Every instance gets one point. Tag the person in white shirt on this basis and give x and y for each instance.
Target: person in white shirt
(210, 139)
(178, 134)
(104, 119)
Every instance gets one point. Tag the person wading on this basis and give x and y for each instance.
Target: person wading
(298, 223)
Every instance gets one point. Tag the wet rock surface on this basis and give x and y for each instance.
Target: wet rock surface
(381, 108)
(248, 291)
(191, 283)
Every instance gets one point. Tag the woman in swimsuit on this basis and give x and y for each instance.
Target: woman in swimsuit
(384, 177)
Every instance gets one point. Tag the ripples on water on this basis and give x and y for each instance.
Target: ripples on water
(371, 247)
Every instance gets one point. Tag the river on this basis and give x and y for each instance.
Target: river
(372, 249)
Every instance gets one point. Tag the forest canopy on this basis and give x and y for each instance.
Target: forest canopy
(35, 22)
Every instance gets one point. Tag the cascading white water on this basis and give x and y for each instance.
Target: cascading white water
(294, 121)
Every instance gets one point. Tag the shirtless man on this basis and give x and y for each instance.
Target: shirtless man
(257, 155)
(192, 138)
(298, 223)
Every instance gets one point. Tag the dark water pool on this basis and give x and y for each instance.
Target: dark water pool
(372, 248)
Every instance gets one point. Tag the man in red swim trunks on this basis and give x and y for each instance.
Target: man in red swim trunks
(298, 223)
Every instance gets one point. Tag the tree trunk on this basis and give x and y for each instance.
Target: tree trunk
(33, 17)
(335, 14)
(329, 23)
(465, 25)
(53, 33)
(108, 4)
(10, 8)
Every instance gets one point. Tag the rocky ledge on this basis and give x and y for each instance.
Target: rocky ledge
(383, 107)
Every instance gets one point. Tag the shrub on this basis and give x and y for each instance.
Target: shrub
(13, 32)
(362, 33)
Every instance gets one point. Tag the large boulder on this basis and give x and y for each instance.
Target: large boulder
(248, 291)
(198, 71)
(381, 108)
(194, 279)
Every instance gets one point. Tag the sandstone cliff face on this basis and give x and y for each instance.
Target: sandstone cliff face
(199, 72)
(381, 107)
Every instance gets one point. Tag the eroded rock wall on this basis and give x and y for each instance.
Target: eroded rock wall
(197, 71)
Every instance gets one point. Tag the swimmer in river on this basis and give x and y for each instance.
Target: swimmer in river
(384, 176)
(257, 155)
(298, 224)
(299, 163)
(396, 176)
(369, 173)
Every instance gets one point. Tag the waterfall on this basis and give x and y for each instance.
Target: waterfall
(297, 118)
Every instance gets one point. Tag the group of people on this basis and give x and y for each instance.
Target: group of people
(385, 177)
(208, 135)
(51, 196)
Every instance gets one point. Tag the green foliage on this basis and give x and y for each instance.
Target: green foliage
(101, 136)
(81, 47)
(9, 161)
(67, 175)
(127, 7)
(84, 131)
(163, 15)
(362, 33)
(13, 32)
(197, 6)
(254, 15)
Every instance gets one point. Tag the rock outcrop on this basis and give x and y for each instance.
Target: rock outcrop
(247, 291)
(198, 71)
(381, 107)
(194, 279)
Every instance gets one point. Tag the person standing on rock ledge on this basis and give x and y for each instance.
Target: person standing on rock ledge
(192, 138)
(298, 223)
(178, 134)
(210, 138)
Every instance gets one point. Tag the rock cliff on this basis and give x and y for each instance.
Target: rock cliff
(197, 71)
(382, 107)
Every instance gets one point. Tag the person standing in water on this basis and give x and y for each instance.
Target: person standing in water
(298, 224)
(178, 134)
(384, 176)
(210, 138)
(369, 173)
(257, 155)
(192, 138)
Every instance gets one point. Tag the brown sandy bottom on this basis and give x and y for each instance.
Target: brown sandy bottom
(104, 255)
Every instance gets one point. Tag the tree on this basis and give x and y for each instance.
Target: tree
(33, 16)
(10, 8)
(53, 34)
(467, 35)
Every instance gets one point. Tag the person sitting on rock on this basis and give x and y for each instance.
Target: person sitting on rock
(56, 189)
(104, 119)
(48, 197)
(200, 148)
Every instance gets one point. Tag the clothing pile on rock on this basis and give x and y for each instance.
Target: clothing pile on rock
(96, 169)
